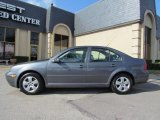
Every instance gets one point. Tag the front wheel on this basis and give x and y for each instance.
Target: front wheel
(122, 84)
(31, 84)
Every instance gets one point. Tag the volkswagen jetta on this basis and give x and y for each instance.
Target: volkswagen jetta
(80, 67)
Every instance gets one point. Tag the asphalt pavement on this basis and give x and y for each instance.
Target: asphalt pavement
(143, 103)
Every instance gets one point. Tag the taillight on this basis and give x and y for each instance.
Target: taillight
(145, 67)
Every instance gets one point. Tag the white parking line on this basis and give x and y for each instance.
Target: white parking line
(155, 82)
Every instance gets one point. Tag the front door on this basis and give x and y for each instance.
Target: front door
(70, 70)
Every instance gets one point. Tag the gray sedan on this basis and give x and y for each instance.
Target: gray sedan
(80, 67)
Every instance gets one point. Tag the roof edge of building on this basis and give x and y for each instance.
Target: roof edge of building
(109, 27)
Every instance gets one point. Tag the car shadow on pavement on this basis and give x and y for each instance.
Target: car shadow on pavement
(76, 91)
(147, 87)
(140, 88)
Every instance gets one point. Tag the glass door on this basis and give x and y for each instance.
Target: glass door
(34, 46)
(60, 43)
(1, 50)
(147, 43)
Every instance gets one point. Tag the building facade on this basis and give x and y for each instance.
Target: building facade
(131, 26)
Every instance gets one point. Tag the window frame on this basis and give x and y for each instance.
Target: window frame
(80, 49)
(103, 49)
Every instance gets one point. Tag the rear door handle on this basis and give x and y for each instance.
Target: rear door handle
(81, 66)
(113, 65)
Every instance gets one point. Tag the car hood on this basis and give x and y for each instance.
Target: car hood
(37, 61)
(30, 65)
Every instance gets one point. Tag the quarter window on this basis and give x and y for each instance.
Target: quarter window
(74, 56)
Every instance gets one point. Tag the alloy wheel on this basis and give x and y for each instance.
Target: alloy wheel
(122, 84)
(30, 84)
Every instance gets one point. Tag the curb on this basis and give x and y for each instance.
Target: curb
(5, 67)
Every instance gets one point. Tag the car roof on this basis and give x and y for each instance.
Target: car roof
(90, 47)
(103, 47)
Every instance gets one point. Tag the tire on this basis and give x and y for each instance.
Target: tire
(122, 84)
(31, 84)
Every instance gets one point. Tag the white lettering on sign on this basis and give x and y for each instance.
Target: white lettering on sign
(16, 17)
(11, 7)
(23, 19)
(4, 15)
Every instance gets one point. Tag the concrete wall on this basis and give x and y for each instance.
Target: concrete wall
(125, 38)
(42, 46)
(22, 43)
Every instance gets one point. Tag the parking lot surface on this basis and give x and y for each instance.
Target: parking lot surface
(143, 103)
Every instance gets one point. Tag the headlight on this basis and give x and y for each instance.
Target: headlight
(12, 75)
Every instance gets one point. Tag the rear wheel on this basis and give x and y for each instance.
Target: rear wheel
(31, 84)
(122, 84)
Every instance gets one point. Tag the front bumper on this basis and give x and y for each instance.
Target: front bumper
(11, 78)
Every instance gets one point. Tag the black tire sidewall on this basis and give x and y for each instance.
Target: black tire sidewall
(113, 86)
(41, 84)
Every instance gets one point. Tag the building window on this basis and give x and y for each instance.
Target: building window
(7, 43)
(34, 45)
(60, 43)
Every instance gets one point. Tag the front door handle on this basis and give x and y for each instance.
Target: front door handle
(113, 65)
(81, 66)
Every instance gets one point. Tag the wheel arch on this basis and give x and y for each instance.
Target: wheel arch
(122, 72)
(28, 71)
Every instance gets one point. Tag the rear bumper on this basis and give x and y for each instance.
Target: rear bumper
(143, 78)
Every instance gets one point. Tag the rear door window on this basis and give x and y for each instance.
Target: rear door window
(104, 55)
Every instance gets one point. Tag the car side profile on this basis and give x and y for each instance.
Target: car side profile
(80, 67)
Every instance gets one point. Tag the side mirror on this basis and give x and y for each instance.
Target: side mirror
(57, 60)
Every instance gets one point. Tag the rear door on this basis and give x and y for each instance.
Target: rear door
(101, 63)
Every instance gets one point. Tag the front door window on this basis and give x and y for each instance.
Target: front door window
(74, 56)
